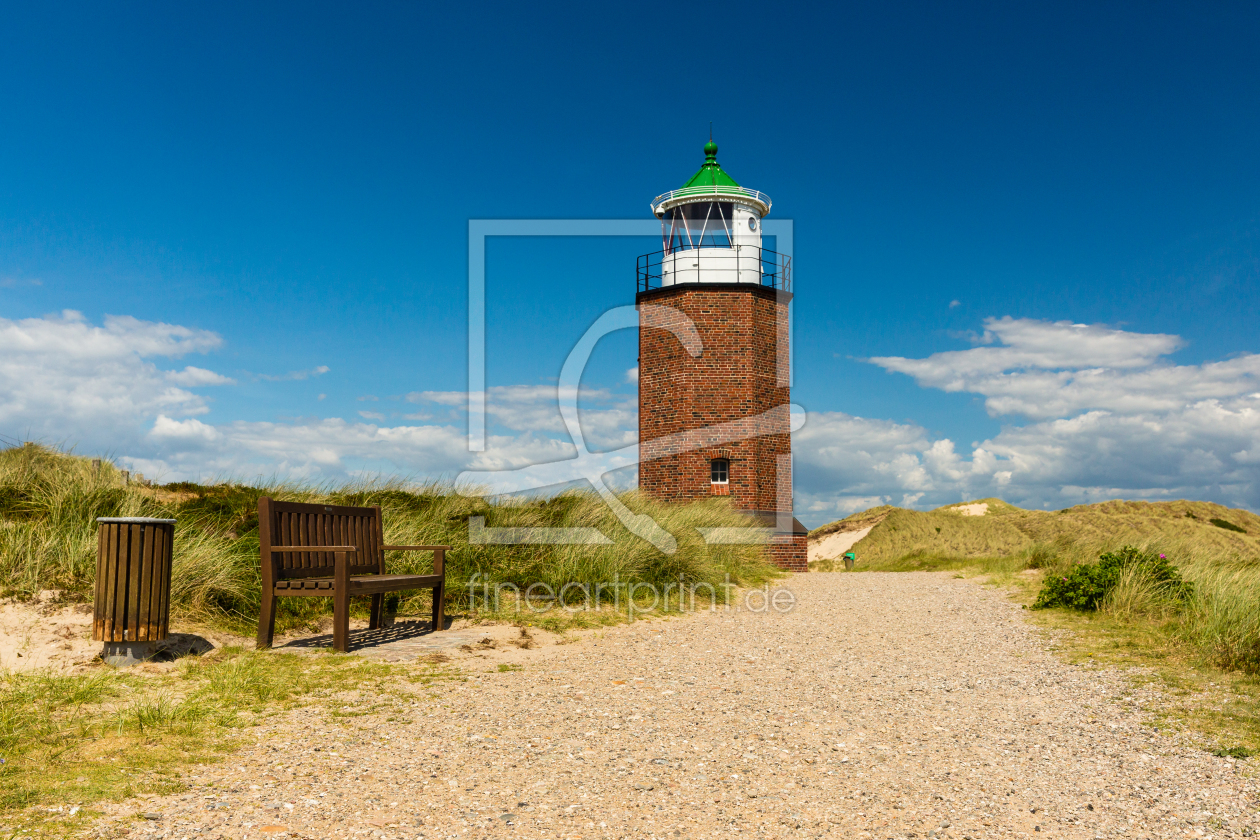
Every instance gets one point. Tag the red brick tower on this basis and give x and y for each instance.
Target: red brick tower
(713, 357)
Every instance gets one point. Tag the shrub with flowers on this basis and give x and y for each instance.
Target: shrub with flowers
(1087, 584)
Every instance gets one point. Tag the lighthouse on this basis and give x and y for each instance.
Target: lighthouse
(714, 384)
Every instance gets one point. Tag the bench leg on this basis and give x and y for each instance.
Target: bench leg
(439, 607)
(378, 607)
(266, 619)
(341, 620)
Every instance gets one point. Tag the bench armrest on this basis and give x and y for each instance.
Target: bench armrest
(439, 554)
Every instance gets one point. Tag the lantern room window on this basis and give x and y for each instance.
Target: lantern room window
(701, 224)
(720, 471)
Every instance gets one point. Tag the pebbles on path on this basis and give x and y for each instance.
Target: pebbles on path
(882, 706)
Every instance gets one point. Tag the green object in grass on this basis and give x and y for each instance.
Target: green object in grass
(1228, 526)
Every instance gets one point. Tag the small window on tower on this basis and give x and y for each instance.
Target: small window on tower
(720, 470)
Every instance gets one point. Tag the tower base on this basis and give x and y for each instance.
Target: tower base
(789, 551)
(788, 548)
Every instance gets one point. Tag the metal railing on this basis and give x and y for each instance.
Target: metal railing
(718, 190)
(743, 263)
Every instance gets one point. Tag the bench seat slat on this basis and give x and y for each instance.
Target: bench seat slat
(304, 583)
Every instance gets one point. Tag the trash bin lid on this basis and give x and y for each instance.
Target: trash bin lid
(133, 520)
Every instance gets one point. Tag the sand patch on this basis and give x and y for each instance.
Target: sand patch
(978, 509)
(44, 634)
(48, 633)
(833, 545)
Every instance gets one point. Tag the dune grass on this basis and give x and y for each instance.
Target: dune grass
(1071, 535)
(70, 740)
(49, 501)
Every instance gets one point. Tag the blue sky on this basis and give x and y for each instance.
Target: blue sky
(1027, 237)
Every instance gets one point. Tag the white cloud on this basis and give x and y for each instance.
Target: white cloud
(336, 449)
(1199, 450)
(607, 420)
(62, 378)
(1111, 419)
(194, 376)
(1032, 344)
(842, 462)
(71, 336)
(1044, 370)
(184, 431)
(65, 380)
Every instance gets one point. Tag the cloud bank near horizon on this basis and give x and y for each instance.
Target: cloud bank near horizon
(1094, 413)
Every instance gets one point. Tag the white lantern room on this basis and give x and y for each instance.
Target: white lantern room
(711, 233)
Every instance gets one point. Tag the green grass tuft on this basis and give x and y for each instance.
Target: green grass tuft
(1234, 752)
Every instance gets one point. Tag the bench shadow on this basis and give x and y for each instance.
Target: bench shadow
(402, 630)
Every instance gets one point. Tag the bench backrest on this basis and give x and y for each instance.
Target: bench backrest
(294, 523)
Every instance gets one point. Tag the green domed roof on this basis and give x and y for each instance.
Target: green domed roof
(710, 181)
(711, 174)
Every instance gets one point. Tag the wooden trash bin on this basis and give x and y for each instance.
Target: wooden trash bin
(133, 586)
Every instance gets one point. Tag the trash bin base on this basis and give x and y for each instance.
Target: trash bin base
(124, 654)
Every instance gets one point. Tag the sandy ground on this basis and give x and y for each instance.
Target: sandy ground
(881, 706)
(833, 545)
(977, 509)
(44, 634)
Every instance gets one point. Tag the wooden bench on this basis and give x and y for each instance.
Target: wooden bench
(330, 551)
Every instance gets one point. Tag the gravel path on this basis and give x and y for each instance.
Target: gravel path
(882, 706)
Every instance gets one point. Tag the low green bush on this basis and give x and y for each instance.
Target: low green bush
(1085, 585)
(1228, 526)
(1234, 752)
